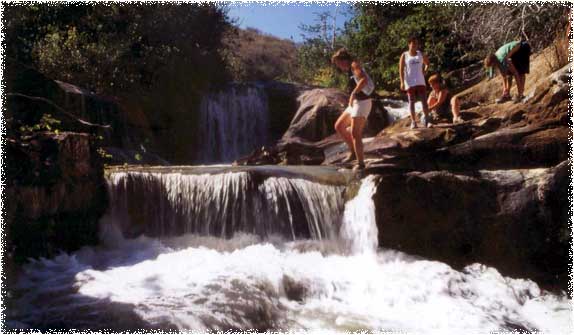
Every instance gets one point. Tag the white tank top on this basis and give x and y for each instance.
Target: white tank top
(414, 70)
(369, 86)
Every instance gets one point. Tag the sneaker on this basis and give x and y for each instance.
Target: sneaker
(518, 99)
(503, 99)
(351, 157)
(413, 125)
(457, 120)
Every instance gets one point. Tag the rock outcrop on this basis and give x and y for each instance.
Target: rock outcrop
(515, 220)
(121, 129)
(55, 193)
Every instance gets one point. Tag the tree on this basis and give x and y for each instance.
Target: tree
(321, 39)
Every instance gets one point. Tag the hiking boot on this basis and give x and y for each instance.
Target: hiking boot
(503, 99)
(359, 167)
(413, 125)
(350, 157)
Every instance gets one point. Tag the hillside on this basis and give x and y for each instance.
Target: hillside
(258, 56)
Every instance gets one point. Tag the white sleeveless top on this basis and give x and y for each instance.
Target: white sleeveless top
(369, 86)
(414, 75)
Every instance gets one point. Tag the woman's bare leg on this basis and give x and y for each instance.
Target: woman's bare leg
(520, 82)
(506, 85)
(357, 125)
(341, 126)
(455, 108)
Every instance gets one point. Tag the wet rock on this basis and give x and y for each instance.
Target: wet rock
(294, 290)
(515, 220)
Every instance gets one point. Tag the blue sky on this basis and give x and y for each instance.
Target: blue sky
(282, 19)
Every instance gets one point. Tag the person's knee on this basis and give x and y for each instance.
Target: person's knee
(340, 126)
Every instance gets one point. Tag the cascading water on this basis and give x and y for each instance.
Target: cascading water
(201, 282)
(233, 122)
(359, 230)
(175, 203)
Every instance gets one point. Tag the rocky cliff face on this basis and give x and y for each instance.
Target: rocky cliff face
(515, 220)
(55, 193)
(124, 132)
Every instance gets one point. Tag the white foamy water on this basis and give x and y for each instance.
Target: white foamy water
(399, 109)
(359, 229)
(208, 283)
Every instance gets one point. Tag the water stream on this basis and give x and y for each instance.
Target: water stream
(233, 122)
(205, 279)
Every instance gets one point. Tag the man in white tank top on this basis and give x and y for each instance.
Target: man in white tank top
(412, 66)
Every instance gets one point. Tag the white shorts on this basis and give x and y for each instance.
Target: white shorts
(360, 108)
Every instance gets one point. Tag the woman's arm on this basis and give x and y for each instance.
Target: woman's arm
(402, 71)
(358, 72)
(513, 51)
(441, 99)
(426, 63)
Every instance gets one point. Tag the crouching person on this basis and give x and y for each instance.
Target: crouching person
(354, 117)
(439, 100)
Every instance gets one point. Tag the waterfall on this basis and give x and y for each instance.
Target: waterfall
(233, 123)
(359, 229)
(228, 275)
(222, 204)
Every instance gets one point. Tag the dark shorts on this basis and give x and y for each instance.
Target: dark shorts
(417, 93)
(521, 58)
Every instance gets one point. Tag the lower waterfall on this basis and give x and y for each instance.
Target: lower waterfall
(238, 263)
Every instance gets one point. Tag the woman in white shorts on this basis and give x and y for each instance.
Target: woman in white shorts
(355, 115)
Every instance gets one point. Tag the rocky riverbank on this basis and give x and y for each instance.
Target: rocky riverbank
(493, 189)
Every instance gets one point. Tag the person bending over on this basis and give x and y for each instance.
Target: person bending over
(510, 60)
(412, 67)
(355, 115)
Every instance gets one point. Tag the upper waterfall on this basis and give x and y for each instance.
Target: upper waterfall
(233, 122)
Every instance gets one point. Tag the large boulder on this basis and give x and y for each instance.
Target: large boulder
(319, 109)
(515, 220)
(311, 129)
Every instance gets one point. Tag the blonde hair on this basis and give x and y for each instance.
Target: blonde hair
(435, 78)
(341, 54)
